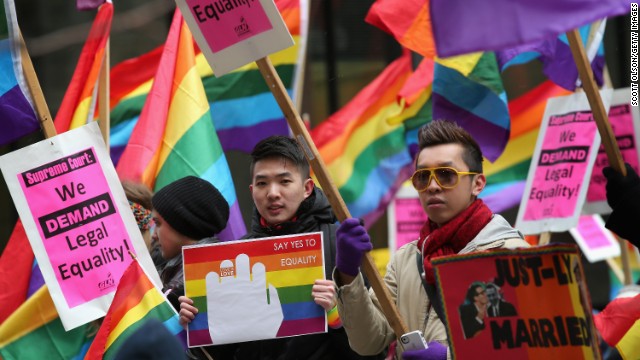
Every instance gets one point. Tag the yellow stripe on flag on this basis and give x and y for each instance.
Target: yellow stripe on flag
(37, 311)
(150, 300)
(629, 345)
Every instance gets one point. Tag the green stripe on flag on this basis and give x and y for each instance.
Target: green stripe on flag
(513, 173)
(234, 85)
(486, 72)
(187, 156)
(386, 146)
(49, 341)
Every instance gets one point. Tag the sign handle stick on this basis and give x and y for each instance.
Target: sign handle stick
(42, 110)
(615, 268)
(337, 203)
(104, 120)
(602, 122)
(545, 238)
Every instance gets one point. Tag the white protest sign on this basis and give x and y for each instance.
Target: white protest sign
(561, 165)
(625, 123)
(77, 219)
(233, 33)
(254, 289)
(596, 242)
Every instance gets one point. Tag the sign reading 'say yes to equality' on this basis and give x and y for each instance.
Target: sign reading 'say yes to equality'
(74, 219)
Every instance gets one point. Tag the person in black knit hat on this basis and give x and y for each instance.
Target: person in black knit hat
(188, 211)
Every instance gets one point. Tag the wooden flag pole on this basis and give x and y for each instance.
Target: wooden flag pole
(337, 203)
(104, 120)
(602, 122)
(42, 110)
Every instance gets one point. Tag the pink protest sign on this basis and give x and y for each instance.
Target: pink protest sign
(405, 218)
(624, 122)
(78, 220)
(81, 228)
(596, 242)
(561, 166)
(409, 220)
(233, 33)
(225, 23)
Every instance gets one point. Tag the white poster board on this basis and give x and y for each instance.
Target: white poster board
(561, 165)
(233, 33)
(596, 242)
(78, 220)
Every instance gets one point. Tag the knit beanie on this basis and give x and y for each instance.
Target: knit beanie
(193, 207)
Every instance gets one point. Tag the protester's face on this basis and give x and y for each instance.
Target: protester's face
(493, 296)
(278, 189)
(481, 296)
(168, 238)
(442, 205)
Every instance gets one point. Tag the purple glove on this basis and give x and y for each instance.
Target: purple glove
(436, 351)
(352, 242)
(620, 187)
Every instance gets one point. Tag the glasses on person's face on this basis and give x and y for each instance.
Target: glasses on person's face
(446, 177)
(482, 292)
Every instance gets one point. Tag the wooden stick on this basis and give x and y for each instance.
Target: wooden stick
(337, 203)
(593, 95)
(602, 122)
(545, 238)
(104, 120)
(42, 110)
(615, 268)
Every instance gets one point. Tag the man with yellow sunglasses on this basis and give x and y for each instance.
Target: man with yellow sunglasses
(449, 179)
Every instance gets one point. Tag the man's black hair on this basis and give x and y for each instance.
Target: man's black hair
(284, 147)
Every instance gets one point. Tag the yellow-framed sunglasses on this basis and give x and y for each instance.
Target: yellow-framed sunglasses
(446, 177)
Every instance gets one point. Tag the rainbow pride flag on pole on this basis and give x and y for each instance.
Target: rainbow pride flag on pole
(290, 265)
(17, 117)
(136, 300)
(175, 136)
(468, 89)
(366, 144)
(80, 99)
(35, 331)
(506, 176)
(232, 98)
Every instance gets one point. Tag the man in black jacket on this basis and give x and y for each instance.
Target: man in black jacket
(287, 202)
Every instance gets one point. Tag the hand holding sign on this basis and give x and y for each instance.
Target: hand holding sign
(230, 297)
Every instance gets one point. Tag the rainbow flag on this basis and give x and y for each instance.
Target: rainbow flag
(17, 117)
(136, 300)
(506, 176)
(79, 101)
(35, 331)
(232, 98)
(468, 90)
(175, 136)
(367, 144)
(290, 269)
(555, 54)
(619, 325)
(409, 22)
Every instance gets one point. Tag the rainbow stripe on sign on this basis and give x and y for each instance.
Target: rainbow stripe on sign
(292, 270)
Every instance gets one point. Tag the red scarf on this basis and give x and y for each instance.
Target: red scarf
(452, 236)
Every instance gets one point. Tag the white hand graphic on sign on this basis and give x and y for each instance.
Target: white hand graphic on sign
(238, 307)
